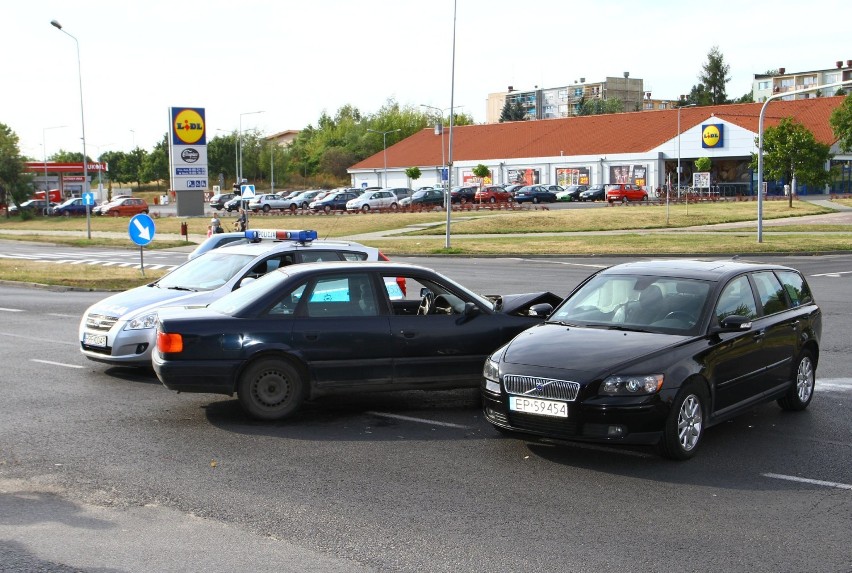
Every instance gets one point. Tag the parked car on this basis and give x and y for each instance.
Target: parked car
(126, 207)
(234, 203)
(371, 200)
(513, 188)
(401, 192)
(308, 330)
(120, 329)
(535, 194)
(463, 194)
(656, 352)
(30, 205)
(429, 197)
(625, 192)
(267, 202)
(571, 193)
(218, 201)
(594, 193)
(335, 201)
(73, 206)
(302, 200)
(492, 194)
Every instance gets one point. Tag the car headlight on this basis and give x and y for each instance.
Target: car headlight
(631, 385)
(142, 322)
(491, 371)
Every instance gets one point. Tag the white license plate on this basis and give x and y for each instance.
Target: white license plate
(94, 339)
(540, 407)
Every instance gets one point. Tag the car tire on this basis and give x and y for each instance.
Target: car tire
(535, 200)
(802, 390)
(684, 427)
(266, 208)
(271, 389)
(293, 207)
(394, 207)
(365, 209)
(625, 200)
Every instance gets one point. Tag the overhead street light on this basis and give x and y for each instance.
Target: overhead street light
(385, 148)
(44, 155)
(441, 118)
(678, 160)
(452, 121)
(58, 26)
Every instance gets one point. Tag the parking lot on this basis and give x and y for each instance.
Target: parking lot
(104, 468)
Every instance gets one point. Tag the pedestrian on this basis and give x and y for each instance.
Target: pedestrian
(242, 221)
(215, 225)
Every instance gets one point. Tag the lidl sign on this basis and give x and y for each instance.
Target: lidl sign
(188, 126)
(712, 135)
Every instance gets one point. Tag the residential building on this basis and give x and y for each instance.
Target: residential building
(765, 85)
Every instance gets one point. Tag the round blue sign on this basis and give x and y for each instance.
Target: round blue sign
(141, 229)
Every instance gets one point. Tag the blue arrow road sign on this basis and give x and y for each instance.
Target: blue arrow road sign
(141, 229)
(88, 198)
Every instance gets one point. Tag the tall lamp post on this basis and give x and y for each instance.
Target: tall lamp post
(240, 174)
(449, 196)
(678, 159)
(385, 148)
(100, 170)
(441, 117)
(44, 152)
(58, 26)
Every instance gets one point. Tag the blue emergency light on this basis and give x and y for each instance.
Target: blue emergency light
(301, 236)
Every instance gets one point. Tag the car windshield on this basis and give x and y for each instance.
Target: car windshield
(205, 273)
(637, 302)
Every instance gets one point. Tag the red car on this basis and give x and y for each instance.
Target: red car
(625, 192)
(126, 207)
(492, 194)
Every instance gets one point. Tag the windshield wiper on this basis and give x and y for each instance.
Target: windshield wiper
(626, 328)
(562, 323)
(182, 288)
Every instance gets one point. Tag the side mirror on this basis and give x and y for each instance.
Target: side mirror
(542, 309)
(245, 281)
(735, 323)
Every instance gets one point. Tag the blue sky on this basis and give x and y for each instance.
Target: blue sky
(294, 60)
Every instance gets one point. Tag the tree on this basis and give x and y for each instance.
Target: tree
(481, 171)
(841, 124)
(714, 76)
(11, 168)
(601, 106)
(791, 151)
(155, 165)
(413, 173)
(702, 164)
(513, 111)
(335, 161)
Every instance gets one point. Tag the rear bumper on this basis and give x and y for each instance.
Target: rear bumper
(197, 376)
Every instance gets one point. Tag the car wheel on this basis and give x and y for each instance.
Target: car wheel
(293, 207)
(66, 213)
(802, 390)
(271, 389)
(685, 423)
(394, 207)
(535, 199)
(492, 200)
(624, 200)
(365, 209)
(327, 209)
(114, 213)
(266, 208)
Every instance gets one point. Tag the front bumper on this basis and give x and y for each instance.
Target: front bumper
(603, 423)
(123, 347)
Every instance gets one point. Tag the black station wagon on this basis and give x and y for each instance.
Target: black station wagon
(656, 352)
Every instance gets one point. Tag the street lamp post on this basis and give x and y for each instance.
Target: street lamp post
(441, 117)
(100, 170)
(44, 153)
(58, 26)
(385, 148)
(678, 161)
(240, 170)
(449, 196)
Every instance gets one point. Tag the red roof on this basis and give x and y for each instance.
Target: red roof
(633, 132)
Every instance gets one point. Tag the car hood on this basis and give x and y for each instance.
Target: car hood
(513, 302)
(140, 298)
(584, 353)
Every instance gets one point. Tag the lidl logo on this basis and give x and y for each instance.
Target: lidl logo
(188, 126)
(711, 135)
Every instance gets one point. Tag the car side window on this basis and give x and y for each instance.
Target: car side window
(736, 298)
(341, 296)
(796, 287)
(770, 292)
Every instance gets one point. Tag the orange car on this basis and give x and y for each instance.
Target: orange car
(625, 192)
(125, 207)
(492, 194)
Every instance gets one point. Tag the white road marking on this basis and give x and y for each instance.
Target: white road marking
(56, 363)
(833, 275)
(833, 385)
(810, 481)
(11, 310)
(60, 315)
(418, 420)
(40, 339)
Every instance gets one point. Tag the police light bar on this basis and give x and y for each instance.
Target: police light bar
(300, 236)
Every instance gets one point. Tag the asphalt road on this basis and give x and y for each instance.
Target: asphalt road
(103, 469)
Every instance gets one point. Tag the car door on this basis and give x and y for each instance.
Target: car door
(341, 333)
(439, 349)
(735, 361)
(780, 323)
